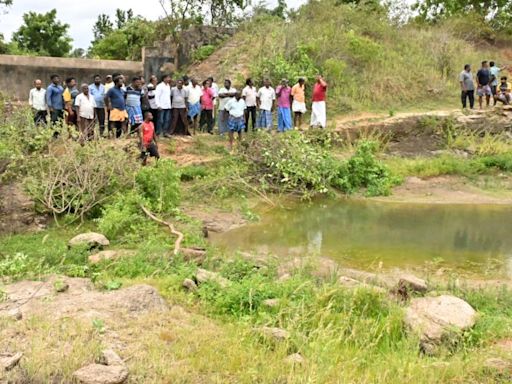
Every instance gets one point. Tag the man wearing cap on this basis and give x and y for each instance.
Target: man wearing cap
(284, 115)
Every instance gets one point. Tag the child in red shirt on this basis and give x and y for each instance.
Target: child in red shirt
(148, 140)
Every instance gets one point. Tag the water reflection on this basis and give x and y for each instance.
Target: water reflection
(395, 234)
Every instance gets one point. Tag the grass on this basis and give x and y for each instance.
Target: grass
(345, 336)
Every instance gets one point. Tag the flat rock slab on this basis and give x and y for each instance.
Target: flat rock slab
(92, 239)
(110, 255)
(81, 300)
(101, 374)
(434, 317)
(9, 360)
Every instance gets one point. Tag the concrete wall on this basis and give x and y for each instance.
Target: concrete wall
(17, 73)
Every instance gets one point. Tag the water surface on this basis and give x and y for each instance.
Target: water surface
(364, 234)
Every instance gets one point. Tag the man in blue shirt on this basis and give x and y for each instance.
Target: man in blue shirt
(115, 101)
(97, 90)
(54, 99)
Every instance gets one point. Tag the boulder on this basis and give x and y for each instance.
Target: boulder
(189, 284)
(278, 334)
(194, 255)
(411, 283)
(92, 239)
(271, 303)
(101, 256)
(111, 370)
(434, 317)
(203, 276)
(295, 358)
(499, 365)
(101, 374)
(9, 360)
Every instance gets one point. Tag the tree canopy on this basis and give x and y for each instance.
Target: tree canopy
(42, 34)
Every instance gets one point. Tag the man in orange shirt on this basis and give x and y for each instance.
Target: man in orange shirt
(299, 103)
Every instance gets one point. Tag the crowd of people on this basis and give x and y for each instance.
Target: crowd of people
(173, 107)
(489, 85)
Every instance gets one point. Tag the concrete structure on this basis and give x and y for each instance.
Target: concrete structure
(19, 72)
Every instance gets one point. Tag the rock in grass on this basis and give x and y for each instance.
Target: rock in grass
(271, 303)
(189, 285)
(412, 283)
(278, 334)
(435, 317)
(499, 365)
(295, 358)
(9, 360)
(111, 370)
(92, 239)
(14, 314)
(203, 276)
(101, 374)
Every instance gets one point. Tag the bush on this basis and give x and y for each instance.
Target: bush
(203, 52)
(160, 186)
(79, 180)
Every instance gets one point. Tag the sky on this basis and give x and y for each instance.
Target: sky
(81, 15)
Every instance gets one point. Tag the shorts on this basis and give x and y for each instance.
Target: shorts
(236, 124)
(484, 90)
(151, 150)
(118, 115)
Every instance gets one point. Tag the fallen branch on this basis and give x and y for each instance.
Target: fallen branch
(177, 243)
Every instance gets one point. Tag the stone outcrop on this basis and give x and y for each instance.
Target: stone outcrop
(92, 239)
(112, 370)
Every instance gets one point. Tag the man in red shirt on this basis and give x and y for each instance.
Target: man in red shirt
(147, 137)
(318, 109)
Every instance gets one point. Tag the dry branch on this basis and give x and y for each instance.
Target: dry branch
(177, 243)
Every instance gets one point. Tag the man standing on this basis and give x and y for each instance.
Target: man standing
(54, 99)
(194, 103)
(495, 72)
(207, 104)
(226, 93)
(163, 103)
(467, 87)
(236, 122)
(318, 107)
(284, 115)
(265, 98)
(249, 94)
(97, 90)
(69, 95)
(37, 100)
(133, 103)
(151, 96)
(85, 110)
(179, 99)
(117, 107)
(483, 79)
(299, 103)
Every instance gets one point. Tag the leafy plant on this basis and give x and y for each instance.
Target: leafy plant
(203, 52)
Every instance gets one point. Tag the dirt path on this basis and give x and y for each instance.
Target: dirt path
(449, 190)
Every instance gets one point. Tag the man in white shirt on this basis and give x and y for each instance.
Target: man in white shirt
(226, 93)
(37, 100)
(194, 103)
(163, 103)
(236, 123)
(85, 114)
(250, 94)
(266, 99)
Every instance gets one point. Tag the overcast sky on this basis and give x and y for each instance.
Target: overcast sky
(81, 15)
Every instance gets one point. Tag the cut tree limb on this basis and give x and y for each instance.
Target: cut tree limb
(177, 243)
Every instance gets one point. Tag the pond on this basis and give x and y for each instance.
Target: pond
(367, 234)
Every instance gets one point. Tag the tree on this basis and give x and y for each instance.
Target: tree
(434, 10)
(122, 17)
(125, 43)
(79, 53)
(42, 34)
(102, 27)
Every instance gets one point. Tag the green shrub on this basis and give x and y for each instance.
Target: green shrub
(203, 52)
(160, 186)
